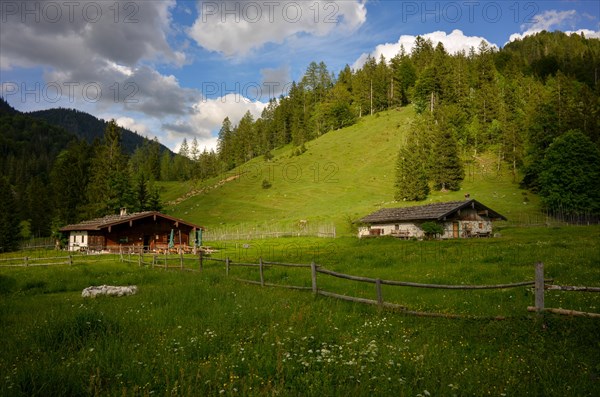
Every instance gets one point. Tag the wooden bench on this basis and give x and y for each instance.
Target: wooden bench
(403, 234)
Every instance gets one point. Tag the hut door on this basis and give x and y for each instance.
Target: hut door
(455, 229)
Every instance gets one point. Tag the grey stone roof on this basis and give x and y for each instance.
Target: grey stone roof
(429, 212)
(111, 220)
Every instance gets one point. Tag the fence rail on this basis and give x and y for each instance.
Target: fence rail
(268, 231)
(165, 261)
(540, 288)
(27, 261)
(540, 284)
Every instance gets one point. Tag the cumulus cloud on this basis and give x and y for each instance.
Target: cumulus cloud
(550, 20)
(454, 42)
(99, 55)
(209, 114)
(67, 32)
(276, 82)
(132, 125)
(235, 28)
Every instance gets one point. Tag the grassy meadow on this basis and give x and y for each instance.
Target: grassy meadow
(202, 333)
(343, 176)
(196, 334)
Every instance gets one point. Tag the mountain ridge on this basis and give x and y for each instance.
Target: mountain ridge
(89, 127)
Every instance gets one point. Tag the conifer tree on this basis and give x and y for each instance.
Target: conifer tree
(109, 188)
(571, 171)
(447, 171)
(411, 174)
(9, 223)
(225, 145)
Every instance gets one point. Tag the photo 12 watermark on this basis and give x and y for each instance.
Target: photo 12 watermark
(468, 11)
(242, 92)
(69, 11)
(269, 11)
(70, 91)
(326, 172)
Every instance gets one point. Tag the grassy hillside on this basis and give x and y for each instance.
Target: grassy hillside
(342, 176)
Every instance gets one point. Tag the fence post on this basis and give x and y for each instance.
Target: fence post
(180, 255)
(313, 271)
(153, 260)
(140, 258)
(379, 294)
(200, 259)
(121, 251)
(227, 266)
(26, 259)
(261, 271)
(70, 260)
(539, 286)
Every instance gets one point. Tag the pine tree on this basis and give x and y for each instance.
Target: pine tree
(109, 187)
(571, 171)
(447, 171)
(165, 167)
(404, 77)
(411, 174)
(194, 152)
(225, 145)
(181, 162)
(9, 223)
(69, 180)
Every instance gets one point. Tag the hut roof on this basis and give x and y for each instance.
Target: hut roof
(429, 212)
(112, 220)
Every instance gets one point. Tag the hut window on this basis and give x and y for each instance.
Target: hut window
(397, 227)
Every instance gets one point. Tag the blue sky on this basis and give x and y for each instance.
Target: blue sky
(175, 69)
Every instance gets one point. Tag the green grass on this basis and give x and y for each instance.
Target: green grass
(571, 257)
(344, 175)
(206, 334)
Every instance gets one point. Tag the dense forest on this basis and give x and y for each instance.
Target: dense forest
(515, 104)
(52, 177)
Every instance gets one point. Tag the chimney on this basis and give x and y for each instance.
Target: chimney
(123, 211)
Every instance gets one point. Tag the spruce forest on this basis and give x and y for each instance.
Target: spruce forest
(534, 105)
(527, 104)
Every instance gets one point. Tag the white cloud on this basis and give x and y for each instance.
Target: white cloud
(235, 28)
(137, 32)
(104, 63)
(550, 20)
(209, 115)
(454, 42)
(132, 125)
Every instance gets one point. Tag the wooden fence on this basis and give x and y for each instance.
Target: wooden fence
(270, 231)
(540, 284)
(166, 261)
(26, 261)
(541, 287)
(71, 259)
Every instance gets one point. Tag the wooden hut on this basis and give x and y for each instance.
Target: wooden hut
(150, 230)
(459, 219)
